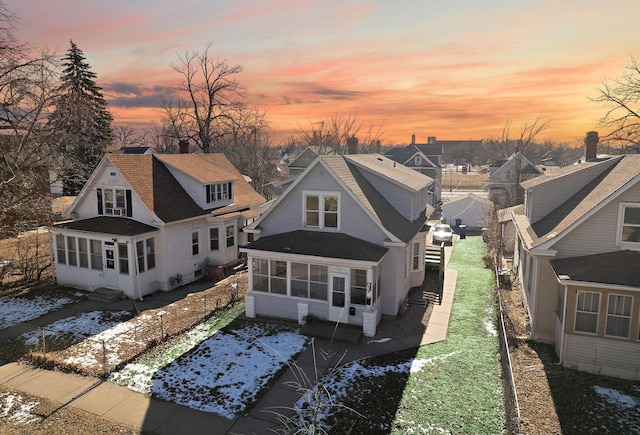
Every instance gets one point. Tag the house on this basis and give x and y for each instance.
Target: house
(425, 159)
(344, 242)
(147, 222)
(306, 157)
(578, 251)
(470, 209)
(505, 178)
(137, 150)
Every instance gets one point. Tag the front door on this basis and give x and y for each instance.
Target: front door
(110, 272)
(339, 295)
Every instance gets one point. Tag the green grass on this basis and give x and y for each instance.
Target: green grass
(460, 389)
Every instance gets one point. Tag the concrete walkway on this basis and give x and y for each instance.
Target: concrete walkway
(138, 411)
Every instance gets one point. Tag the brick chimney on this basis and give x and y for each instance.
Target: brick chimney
(352, 145)
(413, 138)
(591, 145)
(184, 146)
(431, 139)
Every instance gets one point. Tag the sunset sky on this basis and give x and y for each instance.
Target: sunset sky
(455, 70)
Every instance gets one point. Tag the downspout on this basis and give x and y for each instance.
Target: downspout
(563, 325)
(135, 260)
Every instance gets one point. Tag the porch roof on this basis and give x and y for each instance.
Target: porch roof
(612, 268)
(320, 244)
(108, 225)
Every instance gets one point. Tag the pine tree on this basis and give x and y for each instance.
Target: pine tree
(81, 119)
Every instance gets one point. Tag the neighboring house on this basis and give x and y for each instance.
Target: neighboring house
(137, 150)
(505, 180)
(507, 229)
(153, 222)
(305, 158)
(345, 242)
(578, 253)
(424, 158)
(469, 209)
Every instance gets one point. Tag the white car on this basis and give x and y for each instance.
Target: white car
(442, 233)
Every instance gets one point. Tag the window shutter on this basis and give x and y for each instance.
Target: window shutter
(99, 192)
(129, 205)
(208, 193)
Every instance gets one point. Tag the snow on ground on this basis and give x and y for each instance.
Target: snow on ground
(222, 374)
(81, 325)
(625, 404)
(15, 409)
(15, 310)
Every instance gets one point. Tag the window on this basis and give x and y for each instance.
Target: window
(72, 251)
(231, 235)
(418, 161)
(321, 210)
(560, 303)
(619, 316)
(260, 274)
(415, 264)
(309, 281)
(60, 249)
(140, 255)
(214, 239)
(151, 254)
(278, 277)
(96, 254)
(587, 312)
(123, 258)
(219, 192)
(83, 253)
(195, 242)
(358, 286)
(114, 202)
(630, 231)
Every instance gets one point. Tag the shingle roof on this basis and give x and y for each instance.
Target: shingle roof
(118, 226)
(615, 268)
(391, 170)
(320, 244)
(374, 201)
(598, 191)
(150, 178)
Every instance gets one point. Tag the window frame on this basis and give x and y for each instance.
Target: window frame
(622, 208)
(123, 260)
(95, 254)
(321, 211)
(358, 289)
(230, 237)
(619, 316)
(219, 192)
(61, 248)
(212, 239)
(195, 243)
(585, 312)
(415, 257)
(114, 199)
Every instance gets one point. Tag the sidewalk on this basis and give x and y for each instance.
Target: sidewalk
(127, 407)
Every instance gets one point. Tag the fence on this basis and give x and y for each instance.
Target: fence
(100, 354)
(511, 397)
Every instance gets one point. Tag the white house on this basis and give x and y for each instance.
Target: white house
(469, 209)
(345, 242)
(147, 222)
(578, 253)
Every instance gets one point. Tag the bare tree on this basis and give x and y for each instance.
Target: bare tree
(126, 136)
(330, 134)
(27, 87)
(210, 95)
(621, 97)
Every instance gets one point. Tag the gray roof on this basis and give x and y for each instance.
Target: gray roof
(595, 193)
(374, 201)
(613, 268)
(391, 170)
(118, 226)
(320, 244)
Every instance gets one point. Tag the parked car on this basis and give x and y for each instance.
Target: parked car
(442, 233)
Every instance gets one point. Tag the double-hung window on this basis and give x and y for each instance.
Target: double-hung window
(415, 263)
(358, 286)
(231, 235)
(195, 242)
(219, 192)
(587, 312)
(619, 316)
(629, 232)
(321, 210)
(270, 276)
(214, 239)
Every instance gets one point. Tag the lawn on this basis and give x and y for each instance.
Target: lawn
(453, 386)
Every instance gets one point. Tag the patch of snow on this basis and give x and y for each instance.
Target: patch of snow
(16, 310)
(616, 398)
(381, 340)
(15, 409)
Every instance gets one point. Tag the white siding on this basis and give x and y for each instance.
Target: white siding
(609, 357)
(546, 297)
(399, 197)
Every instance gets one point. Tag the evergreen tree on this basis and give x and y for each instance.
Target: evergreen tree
(81, 119)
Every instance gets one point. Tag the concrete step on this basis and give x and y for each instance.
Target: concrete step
(104, 294)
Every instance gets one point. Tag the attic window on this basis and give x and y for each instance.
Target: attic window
(219, 192)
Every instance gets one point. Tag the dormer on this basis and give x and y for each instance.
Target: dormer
(219, 194)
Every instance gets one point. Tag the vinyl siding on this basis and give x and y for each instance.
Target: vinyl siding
(546, 294)
(548, 196)
(609, 357)
(399, 197)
